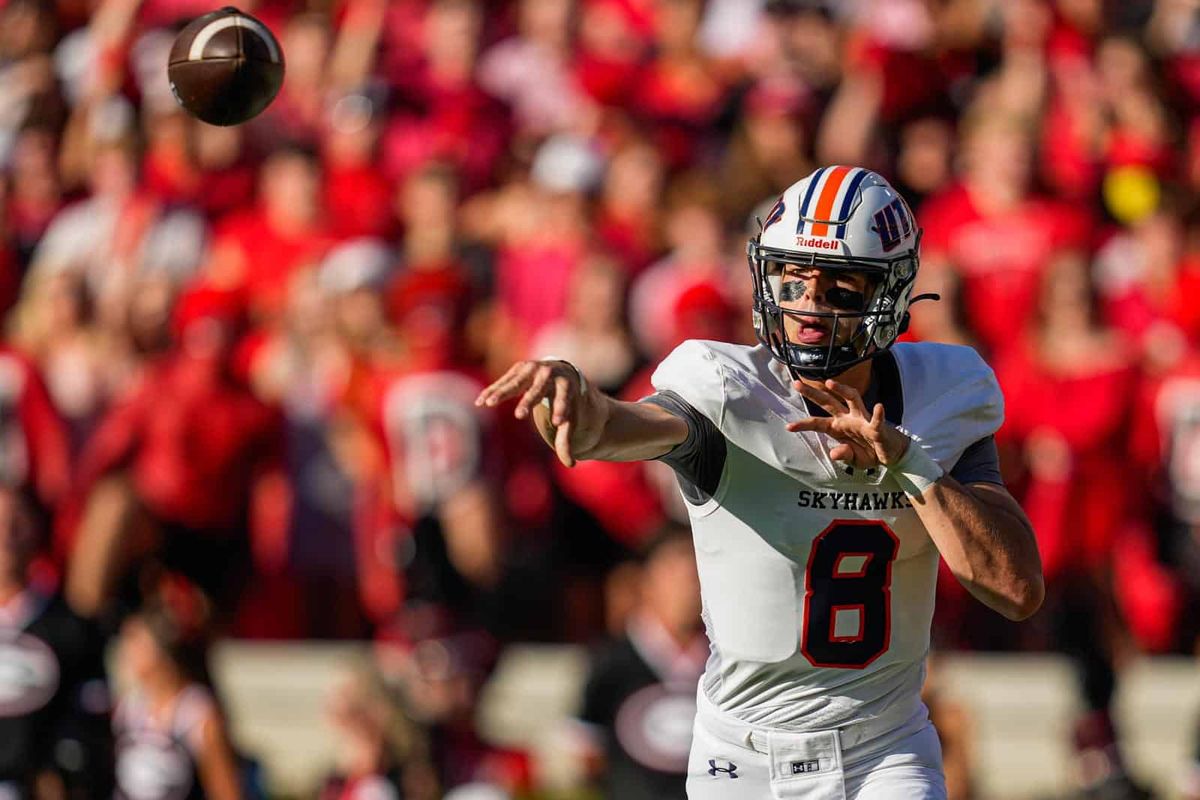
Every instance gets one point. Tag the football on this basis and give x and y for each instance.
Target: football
(225, 67)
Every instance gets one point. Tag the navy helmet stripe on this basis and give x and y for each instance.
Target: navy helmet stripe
(812, 188)
(903, 213)
(775, 214)
(848, 200)
(893, 229)
(889, 216)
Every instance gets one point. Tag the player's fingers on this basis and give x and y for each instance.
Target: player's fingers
(849, 395)
(843, 452)
(490, 390)
(854, 454)
(535, 392)
(504, 383)
(877, 417)
(562, 444)
(562, 400)
(826, 400)
(507, 385)
(819, 424)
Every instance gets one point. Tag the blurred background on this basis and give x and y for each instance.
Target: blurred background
(256, 540)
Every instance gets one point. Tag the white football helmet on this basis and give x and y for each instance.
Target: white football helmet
(836, 218)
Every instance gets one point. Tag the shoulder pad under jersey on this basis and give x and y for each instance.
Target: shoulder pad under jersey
(693, 372)
(951, 398)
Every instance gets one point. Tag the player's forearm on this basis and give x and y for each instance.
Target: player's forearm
(607, 429)
(988, 544)
(637, 432)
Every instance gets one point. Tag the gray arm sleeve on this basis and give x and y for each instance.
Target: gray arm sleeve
(979, 463)
(699, 460)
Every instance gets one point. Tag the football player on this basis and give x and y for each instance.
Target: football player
(825, 471)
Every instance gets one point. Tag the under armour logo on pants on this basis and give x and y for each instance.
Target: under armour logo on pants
(713, 769)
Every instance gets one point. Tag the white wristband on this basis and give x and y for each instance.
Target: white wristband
(583, 384)
(916, 470)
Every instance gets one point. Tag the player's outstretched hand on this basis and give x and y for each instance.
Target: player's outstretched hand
(867, 439)
(566, 428)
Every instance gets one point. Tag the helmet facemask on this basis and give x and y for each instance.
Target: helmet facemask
(875, 326)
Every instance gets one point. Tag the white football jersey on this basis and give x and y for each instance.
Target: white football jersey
(818, 581)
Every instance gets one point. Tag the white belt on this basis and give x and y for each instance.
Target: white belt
(734, 730)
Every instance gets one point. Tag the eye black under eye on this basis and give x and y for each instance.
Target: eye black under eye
(792, 290)
(846, 299)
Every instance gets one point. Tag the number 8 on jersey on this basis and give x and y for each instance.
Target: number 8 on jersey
(847, 605)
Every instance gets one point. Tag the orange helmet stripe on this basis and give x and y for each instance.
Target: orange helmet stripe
(829, 193)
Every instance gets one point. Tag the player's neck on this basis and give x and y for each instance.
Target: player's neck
(858, 377)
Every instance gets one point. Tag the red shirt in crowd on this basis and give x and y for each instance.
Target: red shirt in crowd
(270, 256)
(1137, 310)
(449, 121)
(912, 81)
(606, 80)
(1068, 161)
(357, 202)
(34, 446)
(534, 279)
(215, 192)
(633, 240)
(680, 103)
(26, 219)
(606, 70)
(193, 461)
(1000, 259)
(1078, 506)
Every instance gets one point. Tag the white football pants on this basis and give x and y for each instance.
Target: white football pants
(875, 760)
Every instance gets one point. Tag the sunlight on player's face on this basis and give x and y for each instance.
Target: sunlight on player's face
(806, 288)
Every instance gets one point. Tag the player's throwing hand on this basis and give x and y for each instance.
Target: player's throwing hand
(571, 424)
(867, 440)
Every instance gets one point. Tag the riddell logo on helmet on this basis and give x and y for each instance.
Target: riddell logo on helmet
(818, 242)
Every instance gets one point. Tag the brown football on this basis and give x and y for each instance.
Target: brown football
(225, 67)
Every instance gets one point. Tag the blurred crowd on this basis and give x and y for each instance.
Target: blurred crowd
(238, 364)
